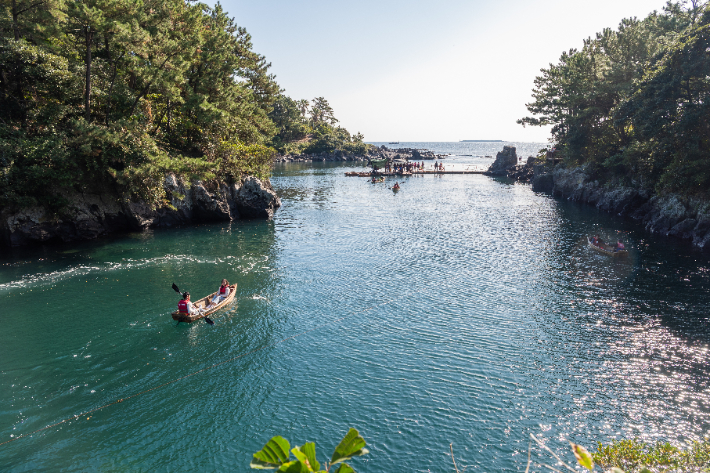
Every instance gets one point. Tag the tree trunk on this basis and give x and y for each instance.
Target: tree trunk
(87, 96)
(15, 28)
(169, 116)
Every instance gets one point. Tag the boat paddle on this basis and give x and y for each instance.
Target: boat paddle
(207, 319)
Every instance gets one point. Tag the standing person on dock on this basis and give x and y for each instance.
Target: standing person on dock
(436, 165)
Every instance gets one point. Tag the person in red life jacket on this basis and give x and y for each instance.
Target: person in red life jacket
(619, 246)
(222, 293)
(185, 306)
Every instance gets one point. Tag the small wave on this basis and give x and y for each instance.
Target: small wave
(245, 263)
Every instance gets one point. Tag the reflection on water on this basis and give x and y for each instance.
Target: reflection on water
(462, 309)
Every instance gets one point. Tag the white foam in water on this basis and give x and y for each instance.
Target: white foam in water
(43, 279)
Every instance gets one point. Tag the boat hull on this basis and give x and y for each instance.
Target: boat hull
(604, 251)
(202, 303)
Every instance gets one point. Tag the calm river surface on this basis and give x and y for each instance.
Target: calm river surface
(462, 309)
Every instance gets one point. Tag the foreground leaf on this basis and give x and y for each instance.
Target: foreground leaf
(273, 455)
(583, 457)
(309, 450)
(295, 466)
(344, 468)
(352, 445)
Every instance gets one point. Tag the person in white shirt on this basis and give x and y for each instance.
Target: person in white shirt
(222, 293)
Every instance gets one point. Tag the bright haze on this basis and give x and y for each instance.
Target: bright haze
(424, 70)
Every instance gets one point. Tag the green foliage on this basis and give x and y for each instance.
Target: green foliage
(118, 94)
(632, 104)
(239, 159)
(275, 454)
(297, 132)
(634, 455)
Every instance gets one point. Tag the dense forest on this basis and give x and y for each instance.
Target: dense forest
(633, 104)
(118, 93)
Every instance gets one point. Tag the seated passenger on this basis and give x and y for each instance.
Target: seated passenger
(619, 246)
(222, 293)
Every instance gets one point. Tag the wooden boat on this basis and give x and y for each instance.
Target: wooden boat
(202, 303)
(607, 250)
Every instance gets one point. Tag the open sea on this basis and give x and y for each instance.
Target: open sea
(461, 310)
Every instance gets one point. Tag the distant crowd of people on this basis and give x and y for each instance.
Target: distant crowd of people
(404, 167)
(411, 167)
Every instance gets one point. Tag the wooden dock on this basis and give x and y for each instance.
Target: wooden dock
(477, 171)
(416, 173)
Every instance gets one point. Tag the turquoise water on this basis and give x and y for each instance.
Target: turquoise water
(461, 309)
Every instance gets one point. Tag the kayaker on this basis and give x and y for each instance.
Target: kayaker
(187, 307)
(222, 293)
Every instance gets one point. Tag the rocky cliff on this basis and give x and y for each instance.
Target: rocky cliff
(93, 214)
(671, 215)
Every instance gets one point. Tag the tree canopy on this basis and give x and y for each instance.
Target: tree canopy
(632, 104)
(310, 127)
(118, 93)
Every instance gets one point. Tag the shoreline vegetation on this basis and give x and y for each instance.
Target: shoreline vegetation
(630, 117)
(631, 105)
(122, 115)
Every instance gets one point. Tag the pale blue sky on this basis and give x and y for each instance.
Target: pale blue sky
(424, 70)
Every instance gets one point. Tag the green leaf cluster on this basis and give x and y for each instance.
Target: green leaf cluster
(633, 103)
(276, 454)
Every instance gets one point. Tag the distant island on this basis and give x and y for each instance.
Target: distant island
(482, 141)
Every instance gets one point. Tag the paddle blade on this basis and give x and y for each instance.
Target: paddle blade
(175, 288)
(209, 321)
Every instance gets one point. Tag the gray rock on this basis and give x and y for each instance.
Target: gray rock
(504, 160)
(92, 215)
(542, 181)
(256, 199)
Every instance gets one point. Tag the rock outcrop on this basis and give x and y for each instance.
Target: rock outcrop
(94, 214)
(505, 160)
(256, 199)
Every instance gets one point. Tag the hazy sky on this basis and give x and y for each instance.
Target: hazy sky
(417, 70)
